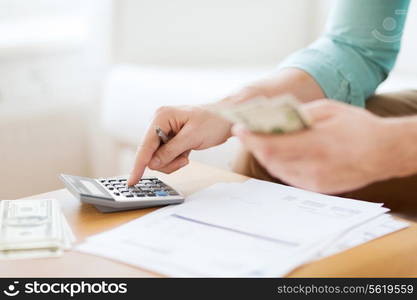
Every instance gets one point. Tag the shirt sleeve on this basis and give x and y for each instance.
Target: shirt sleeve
(357, 51)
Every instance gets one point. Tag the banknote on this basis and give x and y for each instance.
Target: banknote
(30, 253)
(33, 228)
(266, 115)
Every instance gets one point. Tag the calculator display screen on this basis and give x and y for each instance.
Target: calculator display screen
(92, 188)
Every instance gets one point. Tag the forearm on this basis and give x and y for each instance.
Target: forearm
(287, 81)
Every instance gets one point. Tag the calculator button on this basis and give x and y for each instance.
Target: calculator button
(110, 188)
(129, 196)
(161, 193)
(117, 194)
(150, 194)
(172, 193)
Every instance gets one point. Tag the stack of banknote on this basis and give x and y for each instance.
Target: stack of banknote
(33, 228)
(266, 115)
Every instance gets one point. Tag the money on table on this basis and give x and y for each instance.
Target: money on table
(33, 228)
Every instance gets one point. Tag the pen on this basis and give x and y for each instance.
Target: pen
(162, 136)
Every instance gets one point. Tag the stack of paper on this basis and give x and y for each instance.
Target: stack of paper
(252, 229)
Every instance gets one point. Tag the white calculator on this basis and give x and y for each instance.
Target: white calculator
(113, 194)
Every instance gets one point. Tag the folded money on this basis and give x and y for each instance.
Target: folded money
(33, 228)
(265, 115)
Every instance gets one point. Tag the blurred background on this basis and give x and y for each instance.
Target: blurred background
(80, 79)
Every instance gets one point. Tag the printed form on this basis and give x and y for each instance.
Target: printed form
(251, 229)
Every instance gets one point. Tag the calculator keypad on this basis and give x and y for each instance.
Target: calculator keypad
(146, 189)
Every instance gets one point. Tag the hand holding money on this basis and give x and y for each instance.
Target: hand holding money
(266, 115)
(198, 128)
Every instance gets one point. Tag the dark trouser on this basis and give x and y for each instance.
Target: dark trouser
(399, 194)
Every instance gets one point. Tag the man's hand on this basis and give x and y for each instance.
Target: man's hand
(346, 148)
(196, 128)
(191, 128)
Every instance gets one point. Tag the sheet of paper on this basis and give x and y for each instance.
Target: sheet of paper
(277, 211)
(175, 247)
(361, 234)
(253, 229)
(166, 210)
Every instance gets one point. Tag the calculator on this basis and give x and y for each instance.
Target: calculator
(113, 194)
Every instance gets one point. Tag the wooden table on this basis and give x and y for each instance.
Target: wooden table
(391, 255)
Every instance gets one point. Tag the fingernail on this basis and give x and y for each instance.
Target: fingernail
(155, 162)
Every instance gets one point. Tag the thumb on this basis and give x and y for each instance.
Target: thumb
(182, 142)
(252, 142)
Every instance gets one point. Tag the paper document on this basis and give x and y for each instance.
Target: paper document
(361, 234)
(265, 209)
(250, 229)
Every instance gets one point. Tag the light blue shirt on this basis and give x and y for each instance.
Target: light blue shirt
(357, 51)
